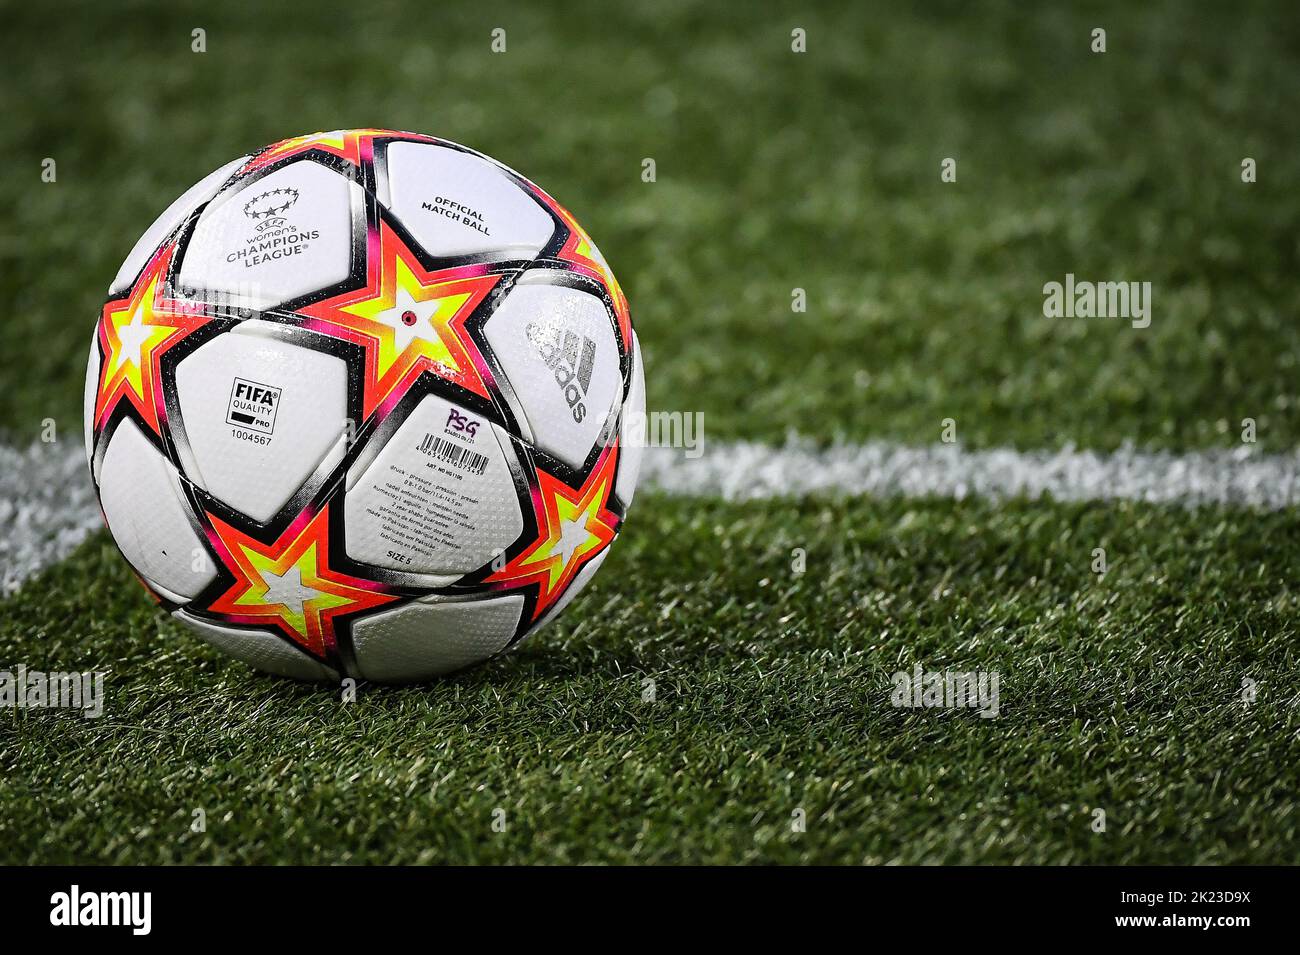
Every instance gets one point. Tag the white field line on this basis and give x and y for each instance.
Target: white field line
(47, 506)
(744, 470)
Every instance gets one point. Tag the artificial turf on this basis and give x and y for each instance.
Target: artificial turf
(774, 171)
(771, 694)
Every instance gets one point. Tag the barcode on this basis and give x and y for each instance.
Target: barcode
(457, 455)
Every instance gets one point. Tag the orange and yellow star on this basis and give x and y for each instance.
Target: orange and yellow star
(354, 145)
(289, 584)
(134, 333)
(409, 321)
(573, 527)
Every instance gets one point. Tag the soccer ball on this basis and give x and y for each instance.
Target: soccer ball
(364, 403)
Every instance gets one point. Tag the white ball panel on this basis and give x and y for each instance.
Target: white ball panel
(260, 649)
(255, 468)
(174, 215)
(425, 638)
(439, 495)
(244, 253)
(88, 400)
(456, 203)
(557, 348)
(632, 430)
(141, 496)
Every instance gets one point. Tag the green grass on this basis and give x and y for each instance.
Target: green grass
(775, 171)
(772, 693)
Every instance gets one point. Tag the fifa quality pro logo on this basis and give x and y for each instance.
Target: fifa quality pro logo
(571, 357)
(253, 405)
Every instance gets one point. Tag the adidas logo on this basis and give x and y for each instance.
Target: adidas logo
(571, 357)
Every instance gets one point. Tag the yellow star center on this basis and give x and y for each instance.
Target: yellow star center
(295, 588)
(137, 332)
(412, 318)
(571, 539)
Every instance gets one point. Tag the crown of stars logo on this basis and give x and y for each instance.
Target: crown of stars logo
(409, 321)
(134, 333)
(273, 203)
(288, 584)
(573, 527)
(354, 145)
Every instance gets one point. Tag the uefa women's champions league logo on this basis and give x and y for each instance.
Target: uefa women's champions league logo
(274, 237)
(268, 209)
